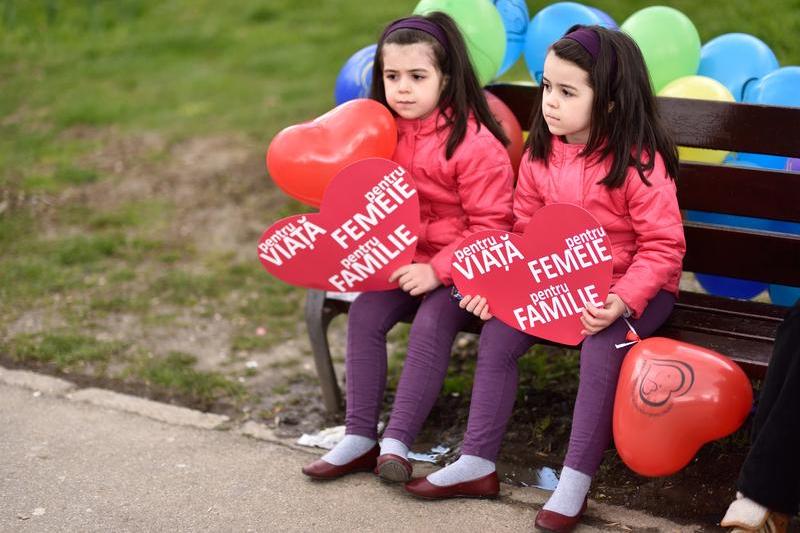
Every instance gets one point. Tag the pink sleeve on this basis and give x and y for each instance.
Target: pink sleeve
(527, 199)
(485, 187)
(660, 244)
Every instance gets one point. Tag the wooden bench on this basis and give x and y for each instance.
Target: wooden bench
(742, 330)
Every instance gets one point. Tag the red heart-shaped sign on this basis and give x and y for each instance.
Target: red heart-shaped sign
(540, 281)
(673, 397)
(304, 158)
(367, 228)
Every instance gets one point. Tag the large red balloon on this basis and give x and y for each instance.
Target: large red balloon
(673, 397)
(304, 158)
(510, 126)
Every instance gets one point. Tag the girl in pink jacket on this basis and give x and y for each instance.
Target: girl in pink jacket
(596, 141)
(454, 149)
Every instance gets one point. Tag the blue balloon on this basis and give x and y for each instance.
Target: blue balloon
(608, 22)
(548, 26)
(515, 20)
(784, 295)
(355, 78)
(734, 59)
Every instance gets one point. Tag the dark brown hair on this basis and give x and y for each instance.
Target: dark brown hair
(625, 122)
(462, 93)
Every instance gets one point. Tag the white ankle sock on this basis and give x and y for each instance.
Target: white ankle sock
(570, 492)
(467, 468)
(350, 447)
(395, 447)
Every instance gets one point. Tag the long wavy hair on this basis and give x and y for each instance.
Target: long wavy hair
(625, 122)
(462, 94)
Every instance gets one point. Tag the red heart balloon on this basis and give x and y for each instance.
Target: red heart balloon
(366, 229)
(539, 282)
(510, 126)
(304, 158)
(673, 397)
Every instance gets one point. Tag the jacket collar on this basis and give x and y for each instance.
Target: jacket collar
(421, 126)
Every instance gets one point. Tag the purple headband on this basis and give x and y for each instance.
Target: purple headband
(417, 23)
(590, 41)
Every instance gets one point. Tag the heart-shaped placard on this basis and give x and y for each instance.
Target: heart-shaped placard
(303, 159)
(673, 397)
(367, 227)
(540, 281)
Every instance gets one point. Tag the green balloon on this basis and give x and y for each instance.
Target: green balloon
(669, 42)
(482, 28)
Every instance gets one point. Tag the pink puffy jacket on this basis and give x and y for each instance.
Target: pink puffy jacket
(643, 222)
(472, 191)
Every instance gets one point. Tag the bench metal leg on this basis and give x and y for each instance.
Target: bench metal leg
(318, 318)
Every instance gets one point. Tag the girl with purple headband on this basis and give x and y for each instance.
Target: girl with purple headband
(454, 148)
(596, 141)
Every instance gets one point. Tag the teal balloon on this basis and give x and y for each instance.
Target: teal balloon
(514, 14)
(669, 42)
(548, 26)
(482, 29)
(736, 59)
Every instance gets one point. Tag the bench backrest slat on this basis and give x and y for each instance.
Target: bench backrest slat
(739, 191)
(745, 254)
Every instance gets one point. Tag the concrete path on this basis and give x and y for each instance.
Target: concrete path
(94, 460)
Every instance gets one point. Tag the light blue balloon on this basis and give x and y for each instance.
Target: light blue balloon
(608, 22)
(515, 20)
(355, 78)
(779, 88)
(548, 26)
(734, 59)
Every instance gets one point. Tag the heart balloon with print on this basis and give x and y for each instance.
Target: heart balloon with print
(673, 397)
(366, 228)
(539, 282)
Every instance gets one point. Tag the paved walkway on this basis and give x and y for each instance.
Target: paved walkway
(94, 460)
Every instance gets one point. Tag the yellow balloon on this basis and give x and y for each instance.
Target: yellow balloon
(698, 88)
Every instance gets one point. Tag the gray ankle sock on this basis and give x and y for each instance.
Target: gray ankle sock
(395, 447)
(570, 492)
(467, 468)
(350, 447)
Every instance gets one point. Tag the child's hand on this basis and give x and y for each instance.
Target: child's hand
(416, 278)
(595, 319)
(477, 305)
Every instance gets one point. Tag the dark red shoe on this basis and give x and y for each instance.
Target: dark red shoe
(320, 469)
(557, 522)
(391, 467)
(484, 487)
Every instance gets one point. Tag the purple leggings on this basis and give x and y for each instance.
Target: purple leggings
(495, 387)
(430, 342)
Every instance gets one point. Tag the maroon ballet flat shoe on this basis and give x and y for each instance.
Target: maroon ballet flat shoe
(556, 522)
(391, 467)
(320, 469)
(487, 486)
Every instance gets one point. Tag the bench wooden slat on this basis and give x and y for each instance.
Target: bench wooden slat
(721, 189)
(743, 254)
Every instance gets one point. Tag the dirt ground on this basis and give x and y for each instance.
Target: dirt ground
(222, 202)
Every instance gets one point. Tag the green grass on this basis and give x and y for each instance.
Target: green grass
(176, 372)
(65, 350)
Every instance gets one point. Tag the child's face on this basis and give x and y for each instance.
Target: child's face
(412, 80)
(567, 99)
